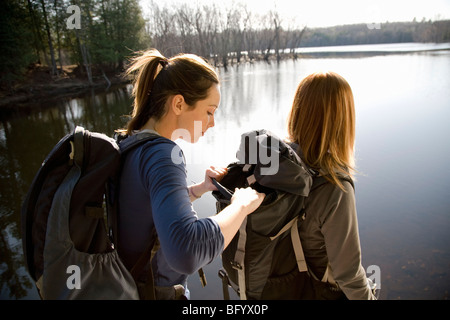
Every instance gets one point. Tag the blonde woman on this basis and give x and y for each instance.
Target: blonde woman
(322, 127)
(173, 98)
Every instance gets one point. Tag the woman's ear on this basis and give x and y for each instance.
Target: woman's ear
(177, 104)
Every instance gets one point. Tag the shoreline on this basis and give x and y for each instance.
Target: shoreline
(36, 92)
(38, 86)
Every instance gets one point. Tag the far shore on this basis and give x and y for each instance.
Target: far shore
(39, 87)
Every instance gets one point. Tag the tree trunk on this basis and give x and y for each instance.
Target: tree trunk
(50, 42)
(58, 36)
(39, 43)
(277, 39)
(84, 55)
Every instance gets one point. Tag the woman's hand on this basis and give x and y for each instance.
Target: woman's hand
(248, 199)
(197, 190)
(216, 173)
(243, 202)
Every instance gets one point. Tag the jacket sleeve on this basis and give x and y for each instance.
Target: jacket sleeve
(188, 243)
(340, 231)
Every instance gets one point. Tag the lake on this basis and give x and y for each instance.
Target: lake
(402, 150)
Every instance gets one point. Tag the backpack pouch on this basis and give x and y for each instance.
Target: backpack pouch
(71, 274)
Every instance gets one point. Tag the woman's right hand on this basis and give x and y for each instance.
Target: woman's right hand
(247, 198)
(243, 202)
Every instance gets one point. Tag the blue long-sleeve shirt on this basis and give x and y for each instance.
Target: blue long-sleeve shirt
(153, 192)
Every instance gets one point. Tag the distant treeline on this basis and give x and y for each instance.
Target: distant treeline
(389, 32)
(46, 33)
(230, 33)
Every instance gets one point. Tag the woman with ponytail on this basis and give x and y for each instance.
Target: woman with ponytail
(173, 98)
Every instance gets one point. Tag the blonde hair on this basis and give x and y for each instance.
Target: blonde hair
(157, 78)
(322, 123)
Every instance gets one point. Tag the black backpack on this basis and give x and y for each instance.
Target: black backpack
(69, 218)
(265, 259)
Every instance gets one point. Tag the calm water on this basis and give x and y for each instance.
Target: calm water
(402, 150)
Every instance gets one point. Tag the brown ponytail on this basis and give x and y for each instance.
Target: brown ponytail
(158, 77)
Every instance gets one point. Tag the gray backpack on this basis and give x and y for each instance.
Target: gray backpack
(69, 221)
(265, 259)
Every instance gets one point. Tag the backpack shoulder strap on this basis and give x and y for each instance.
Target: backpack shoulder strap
(128, 143)
(147, 289)
(296, 243)
(239, 257)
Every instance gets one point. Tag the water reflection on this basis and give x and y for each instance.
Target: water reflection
(402, 152)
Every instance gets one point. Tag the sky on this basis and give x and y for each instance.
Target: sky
(324, 13)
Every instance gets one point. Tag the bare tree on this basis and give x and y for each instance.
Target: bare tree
(200, 25)
(220, 32)
(276, 26)
(266, 36)
(223, 39)
(211, 30)
(184, 18)
(296, 38)
(163, 29)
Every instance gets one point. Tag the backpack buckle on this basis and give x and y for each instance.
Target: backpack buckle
(236, 265)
